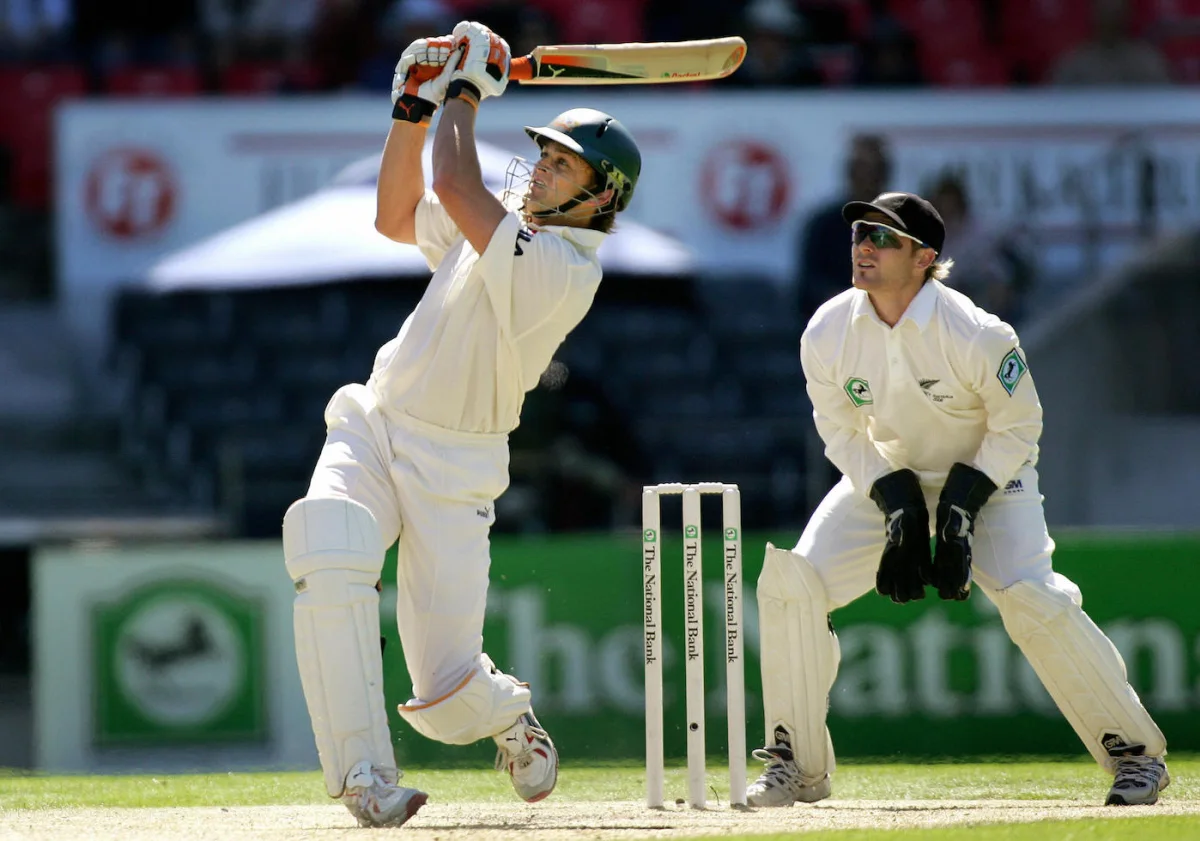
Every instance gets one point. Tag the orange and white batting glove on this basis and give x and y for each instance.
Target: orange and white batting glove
(419, 85)
(482, 70)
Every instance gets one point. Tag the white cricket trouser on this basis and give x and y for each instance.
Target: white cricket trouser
(434, 489)
(844, 539)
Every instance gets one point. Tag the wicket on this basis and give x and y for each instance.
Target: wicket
(693, 585)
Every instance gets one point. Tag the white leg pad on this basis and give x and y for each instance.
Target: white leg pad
(1080, 668)
(799, 654)
(334, 554)
(485, 703)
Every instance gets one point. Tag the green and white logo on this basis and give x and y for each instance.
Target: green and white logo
(859, 391)
(691, 531)
(1012, 368)
(649, 536)
(179, 661)
(731, 534)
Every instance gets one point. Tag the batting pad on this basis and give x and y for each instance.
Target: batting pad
(334, 554)
(487, 702)
(799, 657)
(1080, 668)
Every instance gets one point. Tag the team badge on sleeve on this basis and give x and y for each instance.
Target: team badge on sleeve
(859, 391)
(1012, 368)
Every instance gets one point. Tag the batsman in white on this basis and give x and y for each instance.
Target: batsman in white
(420, 452)
(925, 403)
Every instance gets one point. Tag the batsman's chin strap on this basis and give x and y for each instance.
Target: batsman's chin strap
(565, 207)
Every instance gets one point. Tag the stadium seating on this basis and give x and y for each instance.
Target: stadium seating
(28, 96)
(1035, 33)
(977, 67)
(228, 388)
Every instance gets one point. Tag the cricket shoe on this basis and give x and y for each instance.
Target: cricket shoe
(376, 800)
(529, 757)
(1138, 779)
(781, 784)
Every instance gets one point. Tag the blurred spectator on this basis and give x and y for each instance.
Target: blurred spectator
(1112, 56)
(681, 20)
(824, 260)
(114, 34)
(990, 267)
(828, 21)
(404, 22)
(574, 462)
(344, 35)
(778, 54)
(34, 30)
(888, 57)
(256, 30)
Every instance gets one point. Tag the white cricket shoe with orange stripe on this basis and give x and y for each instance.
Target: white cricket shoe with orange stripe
(529, 757)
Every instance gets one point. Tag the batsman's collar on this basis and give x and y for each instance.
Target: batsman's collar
(583, 237)
(908, 212)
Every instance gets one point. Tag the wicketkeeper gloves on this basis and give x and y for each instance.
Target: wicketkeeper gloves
(965, 492)
(906, 564)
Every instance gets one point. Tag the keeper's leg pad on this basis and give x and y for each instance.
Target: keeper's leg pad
(799, 654)
(334, 554)
(1080, 668)
(485, 703)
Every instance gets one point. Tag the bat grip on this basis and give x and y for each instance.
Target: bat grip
(522, 69)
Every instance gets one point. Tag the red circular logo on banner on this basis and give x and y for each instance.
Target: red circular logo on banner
(745, 184)
(130, 193)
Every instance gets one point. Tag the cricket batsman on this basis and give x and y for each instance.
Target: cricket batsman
(419, 453)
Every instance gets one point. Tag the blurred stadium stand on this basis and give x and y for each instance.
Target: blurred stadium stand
(224, 391)
(192, 367)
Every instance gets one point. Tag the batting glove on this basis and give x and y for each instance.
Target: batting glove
(482, 70)
(419, 85)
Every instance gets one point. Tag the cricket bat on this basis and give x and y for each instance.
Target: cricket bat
(629, 64)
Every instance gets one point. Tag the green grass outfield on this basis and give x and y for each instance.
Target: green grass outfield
(995, 779)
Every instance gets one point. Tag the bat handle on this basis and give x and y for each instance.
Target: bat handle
(522, 69)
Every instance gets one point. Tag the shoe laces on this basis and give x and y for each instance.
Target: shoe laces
(522, 755)
(1137, 772)
(781, 768)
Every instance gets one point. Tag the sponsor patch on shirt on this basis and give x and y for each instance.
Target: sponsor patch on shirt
(859, 391)
(927, 387)
(1012, 368)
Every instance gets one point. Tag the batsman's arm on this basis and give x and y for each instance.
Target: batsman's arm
(1014, 411)
(401, 182)
(457, 178)
(840, 424)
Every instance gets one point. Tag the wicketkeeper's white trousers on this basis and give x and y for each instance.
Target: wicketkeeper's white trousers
(845, 536)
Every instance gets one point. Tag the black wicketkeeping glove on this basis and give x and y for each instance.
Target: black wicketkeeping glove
(965, 492)
(906, 563)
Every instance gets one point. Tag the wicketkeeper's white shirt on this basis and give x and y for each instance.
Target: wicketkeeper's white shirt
(948, 383)
(489, 324)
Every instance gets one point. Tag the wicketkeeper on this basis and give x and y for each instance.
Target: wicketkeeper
(927, 407)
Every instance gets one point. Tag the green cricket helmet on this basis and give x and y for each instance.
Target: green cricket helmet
(601, 141)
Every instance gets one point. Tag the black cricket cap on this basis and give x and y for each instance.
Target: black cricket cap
(909, 213)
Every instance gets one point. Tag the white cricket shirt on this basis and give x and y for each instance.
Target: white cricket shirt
(488, 324)
(948, 383)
